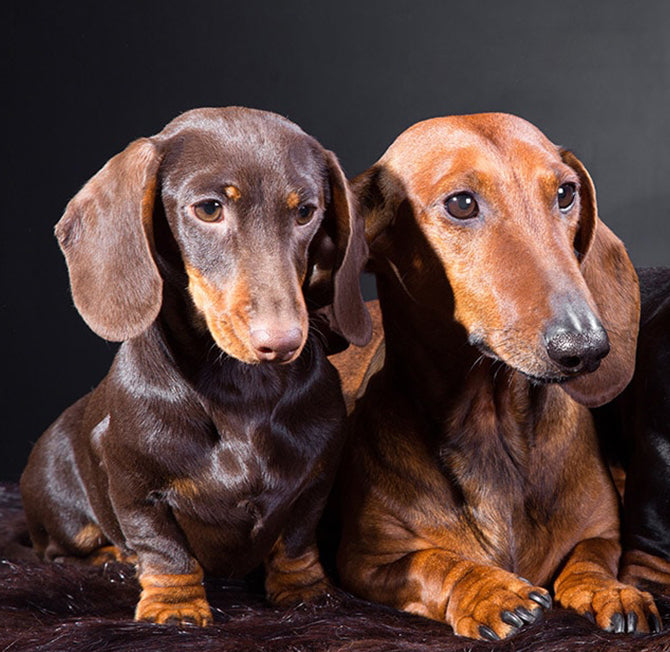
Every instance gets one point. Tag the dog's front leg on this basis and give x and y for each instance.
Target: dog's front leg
(171, 579)
(478, 600)
(294, 575)
(587, 583)
(293, 570)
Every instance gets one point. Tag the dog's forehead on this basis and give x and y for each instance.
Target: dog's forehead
(244, 145)
(490, 145)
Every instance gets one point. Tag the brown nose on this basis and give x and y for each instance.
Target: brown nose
(273, 345)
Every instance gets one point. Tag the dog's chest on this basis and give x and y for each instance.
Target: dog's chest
(511, 487)
(252, 468)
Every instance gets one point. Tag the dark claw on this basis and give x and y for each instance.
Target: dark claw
(654, 623)
(589, 616)
(487, 632)
(631, 622)
(543, 599)
(527, 616)
(511, 619)
(617, 623)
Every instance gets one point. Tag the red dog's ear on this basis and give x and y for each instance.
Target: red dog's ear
(105, 235)
(341, 250)
(612, 281)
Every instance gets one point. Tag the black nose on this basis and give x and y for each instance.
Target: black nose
(577, 350)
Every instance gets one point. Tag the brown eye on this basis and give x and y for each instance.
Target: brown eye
(305, 213)
(566, 196)
(208, 211)
(462, 206)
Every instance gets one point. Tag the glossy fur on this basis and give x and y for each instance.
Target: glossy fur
(196, 452)
(635, 431)
(473, 483)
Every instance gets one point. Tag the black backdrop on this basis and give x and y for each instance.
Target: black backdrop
(84, 80)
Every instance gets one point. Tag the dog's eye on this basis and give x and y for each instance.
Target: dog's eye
(305, 213)
(566, 196)
(208, 211)
(462, 206)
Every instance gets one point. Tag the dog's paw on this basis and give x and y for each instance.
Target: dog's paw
(613, 606)
(291, 581)
(490, 603)
(291, 593)
(645, 571)
(110, 554)
(173, 600)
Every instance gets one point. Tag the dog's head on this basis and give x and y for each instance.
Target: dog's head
(538, 281)
(259, 211)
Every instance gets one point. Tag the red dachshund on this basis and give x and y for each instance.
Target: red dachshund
(473, 482)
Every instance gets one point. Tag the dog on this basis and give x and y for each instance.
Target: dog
(634, 430)
(472, 481)
(225, 254)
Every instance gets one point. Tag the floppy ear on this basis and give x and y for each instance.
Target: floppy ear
(105, 235)
(340, 247)
(612, 281)
(376, 201)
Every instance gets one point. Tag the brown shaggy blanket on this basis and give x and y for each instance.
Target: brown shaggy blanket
(46, 606)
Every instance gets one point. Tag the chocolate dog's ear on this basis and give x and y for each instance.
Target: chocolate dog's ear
(105, 235)
(611, 278)
(340, 255)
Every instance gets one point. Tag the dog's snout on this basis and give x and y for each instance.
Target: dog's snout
(575, 349)
(276, 344)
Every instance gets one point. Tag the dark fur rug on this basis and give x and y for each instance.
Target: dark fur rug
(78, 608)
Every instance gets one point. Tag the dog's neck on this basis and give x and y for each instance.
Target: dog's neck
(428, 354)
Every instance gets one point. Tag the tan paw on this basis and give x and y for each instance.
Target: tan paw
(289, 595)
(173, 599)
(613, 606)
(294, 580)
(110, 554)
(491, 603)
(187, 612)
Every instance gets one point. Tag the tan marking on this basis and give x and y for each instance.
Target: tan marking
(226, 313)
(294, 580)
(178, 597)
(89, 537)
(293, 200)
(217, 308)
(185, 487)
(169, 580)
(108, 554)
(232, 192)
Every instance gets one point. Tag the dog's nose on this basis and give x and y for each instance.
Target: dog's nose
(577, 350)
(274, 345)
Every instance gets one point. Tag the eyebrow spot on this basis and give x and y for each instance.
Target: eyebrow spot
(232, 192)
(293, 199)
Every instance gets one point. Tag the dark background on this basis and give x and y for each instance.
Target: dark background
(85, 80)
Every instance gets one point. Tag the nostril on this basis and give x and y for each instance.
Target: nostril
(571, 362)
(577, 351)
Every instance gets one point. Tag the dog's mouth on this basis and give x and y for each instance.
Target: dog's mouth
(550, 377)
